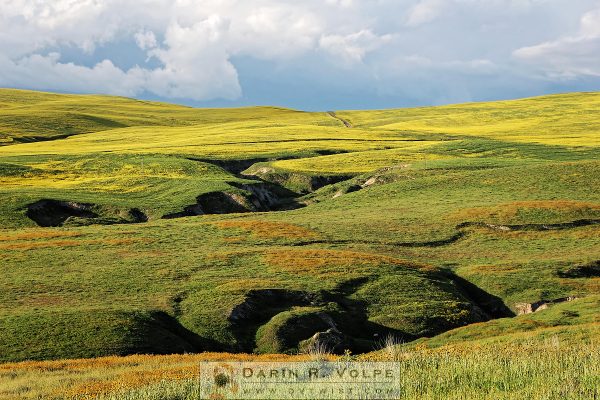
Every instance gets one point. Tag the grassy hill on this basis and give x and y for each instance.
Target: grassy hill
(136, 227)
(36, 116)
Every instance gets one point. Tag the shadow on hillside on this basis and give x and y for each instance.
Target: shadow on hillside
(492, 305)
(164, 334)
(331, 311)
(53, 213)
(590, 270)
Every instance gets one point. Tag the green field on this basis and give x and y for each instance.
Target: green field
(132, 227)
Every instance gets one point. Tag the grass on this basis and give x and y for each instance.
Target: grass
(157, 184)
(567, 119)
(90, 378)
(395, 242)
(36, 116)
(529, 369)
(267, 229)
(570, 323)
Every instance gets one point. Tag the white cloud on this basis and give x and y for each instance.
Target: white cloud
(353, 47)
(570, 56)
(276, 31)
(200, 38)
(590, 24)
(195, 63)
(43, 71)
(340, 3)
(467, 67)
(145, 40)
(425, 11)
(189, 49)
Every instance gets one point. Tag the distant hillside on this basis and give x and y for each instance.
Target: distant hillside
(27, 116)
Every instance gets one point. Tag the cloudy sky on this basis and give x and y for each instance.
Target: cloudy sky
(307, 54)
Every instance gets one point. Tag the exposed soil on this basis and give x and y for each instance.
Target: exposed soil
(330, 340)
(259, 306)
(380, 177)
(52, 213)
(346, 123)
(298, 183)
(269, 197)
(334, 319)
(213, 203)
(55, 212)
(259, 197)
(333, 312)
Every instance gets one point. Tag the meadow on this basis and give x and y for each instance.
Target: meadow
(130, 227)
(531, 368)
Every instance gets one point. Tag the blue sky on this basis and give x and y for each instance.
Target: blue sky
(310, 54)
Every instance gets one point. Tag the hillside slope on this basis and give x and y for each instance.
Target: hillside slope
(256, 229)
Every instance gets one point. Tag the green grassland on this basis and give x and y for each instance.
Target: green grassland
(426, 224)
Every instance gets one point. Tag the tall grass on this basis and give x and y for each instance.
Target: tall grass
(529, 370)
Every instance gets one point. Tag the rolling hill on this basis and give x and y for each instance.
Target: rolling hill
(132, 227)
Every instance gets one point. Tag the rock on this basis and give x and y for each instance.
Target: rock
(528, 308)
(330, 341)
(370, 181)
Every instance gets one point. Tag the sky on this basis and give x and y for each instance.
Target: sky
(304, 54)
